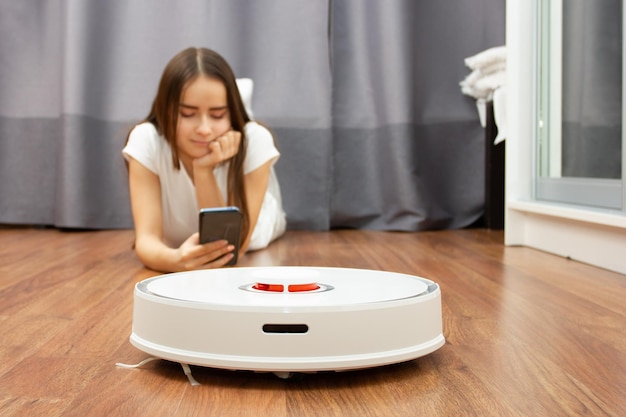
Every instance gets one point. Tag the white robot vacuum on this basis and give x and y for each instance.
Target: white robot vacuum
(287, 319)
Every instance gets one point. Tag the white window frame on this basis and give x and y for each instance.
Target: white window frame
(594, 236)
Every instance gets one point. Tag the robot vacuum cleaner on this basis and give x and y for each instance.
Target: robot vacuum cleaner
(287, 319)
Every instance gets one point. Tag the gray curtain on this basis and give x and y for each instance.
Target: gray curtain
(362, 96)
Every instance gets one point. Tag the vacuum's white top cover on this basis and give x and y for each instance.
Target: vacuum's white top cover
(331, 287)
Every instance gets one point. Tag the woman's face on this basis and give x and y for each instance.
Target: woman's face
(203, 116)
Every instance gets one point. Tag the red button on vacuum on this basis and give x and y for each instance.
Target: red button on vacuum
(268, 287)
(290, 288)
(303, 287)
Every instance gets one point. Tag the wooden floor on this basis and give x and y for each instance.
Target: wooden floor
(527, 333)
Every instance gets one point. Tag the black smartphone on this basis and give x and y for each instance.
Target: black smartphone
(221, 223)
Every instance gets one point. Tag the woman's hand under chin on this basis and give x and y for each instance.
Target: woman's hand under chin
(219, 150)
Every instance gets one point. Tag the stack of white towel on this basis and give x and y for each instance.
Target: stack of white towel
(487, 82)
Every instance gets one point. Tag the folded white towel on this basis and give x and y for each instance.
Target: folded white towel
(490, 82)
(488, 73)
(482, 87)
(487, 82)
(487, 57)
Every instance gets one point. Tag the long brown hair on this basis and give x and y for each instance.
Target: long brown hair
(183, 68)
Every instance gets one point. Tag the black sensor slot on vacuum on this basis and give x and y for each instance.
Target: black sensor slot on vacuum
(285, 328)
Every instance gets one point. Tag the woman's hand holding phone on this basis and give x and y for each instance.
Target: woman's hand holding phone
(221, 223)
(215, 254)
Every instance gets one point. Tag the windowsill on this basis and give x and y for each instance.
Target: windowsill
(586, 214)
(593, 236)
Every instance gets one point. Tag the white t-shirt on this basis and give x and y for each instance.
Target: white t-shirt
(178, 195)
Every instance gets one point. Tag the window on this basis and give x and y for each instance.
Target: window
(579, 103)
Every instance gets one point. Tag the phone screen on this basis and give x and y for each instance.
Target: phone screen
(221, 223)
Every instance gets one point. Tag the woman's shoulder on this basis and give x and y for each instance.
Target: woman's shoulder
(145, 135)
(144, 129)
(146, 145)
(258, 134)
(253, 128)
(260, 146)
